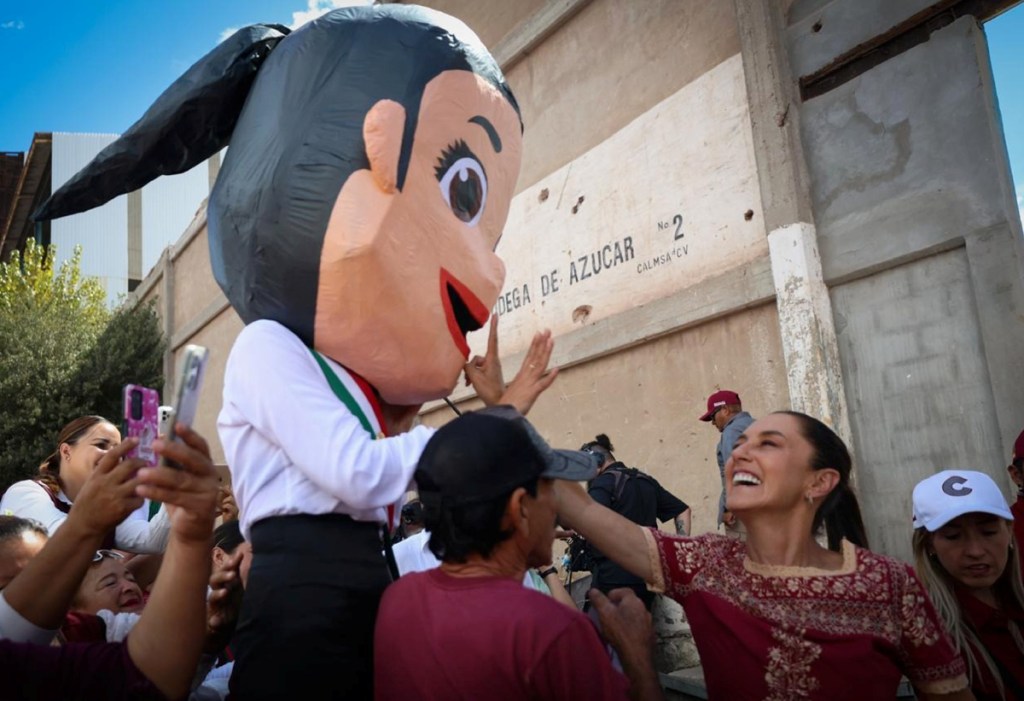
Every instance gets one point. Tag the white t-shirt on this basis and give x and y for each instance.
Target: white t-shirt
(413, 555)
(29, 499)
(18, 629)
(293, 447)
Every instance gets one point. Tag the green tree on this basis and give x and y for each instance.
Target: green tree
(130, 350)
(63, 354)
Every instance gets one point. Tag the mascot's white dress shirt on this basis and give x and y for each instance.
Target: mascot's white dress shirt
(291, 444)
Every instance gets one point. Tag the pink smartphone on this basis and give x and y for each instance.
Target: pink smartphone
(141, 420)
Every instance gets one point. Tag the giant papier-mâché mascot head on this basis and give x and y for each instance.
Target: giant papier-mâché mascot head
(372, 157)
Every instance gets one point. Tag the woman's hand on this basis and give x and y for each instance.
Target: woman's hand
(189, 493)
(223, 603)
(108, 495)
(533, 376)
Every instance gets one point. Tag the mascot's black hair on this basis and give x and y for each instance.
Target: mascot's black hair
(292, 109)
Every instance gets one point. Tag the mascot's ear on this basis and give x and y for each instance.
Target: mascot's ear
(382, 133)
(188, 123)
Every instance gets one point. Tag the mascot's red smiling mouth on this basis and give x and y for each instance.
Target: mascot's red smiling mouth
(463, 311)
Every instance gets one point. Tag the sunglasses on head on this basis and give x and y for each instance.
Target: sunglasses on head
(113, 554)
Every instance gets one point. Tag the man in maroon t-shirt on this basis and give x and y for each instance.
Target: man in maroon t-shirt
(469, 629)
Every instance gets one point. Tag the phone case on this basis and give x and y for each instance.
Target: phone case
(190, 383)
(166, 414)
(141, 420)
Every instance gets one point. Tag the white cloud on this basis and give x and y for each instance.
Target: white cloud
(225, 33)
(314, 9)
(1020, 201)
(13, 24)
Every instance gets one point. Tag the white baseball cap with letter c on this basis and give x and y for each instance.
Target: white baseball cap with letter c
(951, 493)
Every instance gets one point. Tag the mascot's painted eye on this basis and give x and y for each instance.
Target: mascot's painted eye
(463, 183)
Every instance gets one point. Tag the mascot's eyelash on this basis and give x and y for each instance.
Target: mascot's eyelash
(453, 153)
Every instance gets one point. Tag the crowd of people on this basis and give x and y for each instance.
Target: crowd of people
(99, 601)
(373, 158)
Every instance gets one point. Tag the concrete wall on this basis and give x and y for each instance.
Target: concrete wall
(642, 365)
(919, 243)
(193, 310)
(884, 203)
(648, 400)
(617, 143)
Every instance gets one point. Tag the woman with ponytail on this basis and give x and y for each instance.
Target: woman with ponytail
(779, 616)
(81, 444)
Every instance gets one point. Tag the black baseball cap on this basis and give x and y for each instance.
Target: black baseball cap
(488, 453)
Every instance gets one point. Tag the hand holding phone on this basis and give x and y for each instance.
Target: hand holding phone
(141, 421)
(190, 383)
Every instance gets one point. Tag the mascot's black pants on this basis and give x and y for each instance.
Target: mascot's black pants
(306, 627)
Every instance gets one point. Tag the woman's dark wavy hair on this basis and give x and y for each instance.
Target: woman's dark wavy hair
(49, 469)
(457, 532)
(839, 511)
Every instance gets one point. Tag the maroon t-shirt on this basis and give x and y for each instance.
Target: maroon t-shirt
(993, 629)
(442, 637)
(72, 671)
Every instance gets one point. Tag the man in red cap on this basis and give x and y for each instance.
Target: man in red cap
(725, 411)
(1016, 470)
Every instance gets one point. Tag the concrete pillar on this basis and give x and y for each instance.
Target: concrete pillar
(809, 342)
(805, 308)
(167, 300)
(213, 170)
(134, 239)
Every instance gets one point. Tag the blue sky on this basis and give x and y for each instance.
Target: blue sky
(96, 66)
(1007, 52)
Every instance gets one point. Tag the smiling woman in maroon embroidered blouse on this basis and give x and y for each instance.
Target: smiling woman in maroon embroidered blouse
(780, 617)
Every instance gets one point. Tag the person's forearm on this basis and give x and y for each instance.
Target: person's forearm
(42, 591)
(621, 540)
(166, 643)
(682, 522)
(638, 667)
(145, 568)
(558, 591)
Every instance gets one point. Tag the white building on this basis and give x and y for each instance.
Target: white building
(122, 240)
